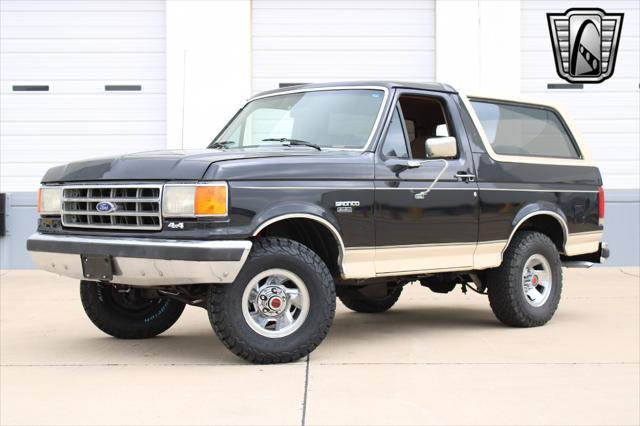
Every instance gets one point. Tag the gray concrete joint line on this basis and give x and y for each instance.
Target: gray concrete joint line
(629, 273)
(306, 389)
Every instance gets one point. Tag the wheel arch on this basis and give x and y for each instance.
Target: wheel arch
(546, 218)
(329, 244)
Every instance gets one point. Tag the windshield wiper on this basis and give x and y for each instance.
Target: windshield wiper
(293, 142)
(220, 144)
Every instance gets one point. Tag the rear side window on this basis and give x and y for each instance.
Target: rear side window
(524, 130)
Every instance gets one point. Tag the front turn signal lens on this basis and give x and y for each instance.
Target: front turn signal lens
(49, 200)
(211, 200)
(195, 200)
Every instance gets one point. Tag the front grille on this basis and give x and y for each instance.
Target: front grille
(134, 207)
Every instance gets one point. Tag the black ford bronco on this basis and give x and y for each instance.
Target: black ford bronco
(348, 190)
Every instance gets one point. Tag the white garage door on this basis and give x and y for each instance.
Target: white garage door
(316, 41)
(606, 113)
(78, 79)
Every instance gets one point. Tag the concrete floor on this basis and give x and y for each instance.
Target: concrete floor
(432, 359)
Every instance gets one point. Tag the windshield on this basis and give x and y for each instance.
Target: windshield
(326, 118)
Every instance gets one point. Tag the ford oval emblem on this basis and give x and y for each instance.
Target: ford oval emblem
(105, 207)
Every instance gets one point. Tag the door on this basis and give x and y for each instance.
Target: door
(426, 201)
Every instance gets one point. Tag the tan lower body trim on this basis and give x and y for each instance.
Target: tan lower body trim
(407, 260)
(423, 258)
(358, 263)
(369, 262)
(582, 243)
(488, 254)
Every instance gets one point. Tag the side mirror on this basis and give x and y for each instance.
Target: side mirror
(441, 147)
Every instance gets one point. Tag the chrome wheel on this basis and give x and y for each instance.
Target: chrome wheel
(537, 280)
(275, 303)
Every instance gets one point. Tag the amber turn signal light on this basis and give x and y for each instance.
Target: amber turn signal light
(210, 201)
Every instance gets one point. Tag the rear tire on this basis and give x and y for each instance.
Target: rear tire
(359, 302)
(279, 308)
(525, 290)
(127, 315)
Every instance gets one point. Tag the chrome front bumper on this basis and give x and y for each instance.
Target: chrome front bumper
(143, 261)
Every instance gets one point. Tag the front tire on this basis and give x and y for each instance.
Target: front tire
(279, 308)
(125, 313)
(525, 290)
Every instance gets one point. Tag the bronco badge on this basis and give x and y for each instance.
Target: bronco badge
(585, 43)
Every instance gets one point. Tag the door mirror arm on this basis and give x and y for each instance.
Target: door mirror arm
(399, 165)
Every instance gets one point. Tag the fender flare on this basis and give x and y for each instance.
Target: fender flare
(541, 208)
(310, 211)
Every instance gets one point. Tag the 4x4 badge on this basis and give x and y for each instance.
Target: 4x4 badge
(585, 43)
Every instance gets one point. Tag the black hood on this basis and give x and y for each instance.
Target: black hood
(167, 165)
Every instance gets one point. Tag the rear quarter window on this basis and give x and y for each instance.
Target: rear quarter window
(525, 130)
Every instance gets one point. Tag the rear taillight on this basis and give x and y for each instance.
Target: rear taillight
(601, 203)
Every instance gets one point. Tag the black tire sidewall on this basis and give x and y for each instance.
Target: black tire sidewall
(229, 303)
(548, 251)
(506, 291)
(116, 321)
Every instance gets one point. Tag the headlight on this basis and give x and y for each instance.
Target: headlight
(50, 200)
(207, 199)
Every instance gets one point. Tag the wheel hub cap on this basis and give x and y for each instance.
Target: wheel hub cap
(272, 300)
(537, 280)
(275, 303)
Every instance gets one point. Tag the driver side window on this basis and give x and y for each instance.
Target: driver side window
(395, 143)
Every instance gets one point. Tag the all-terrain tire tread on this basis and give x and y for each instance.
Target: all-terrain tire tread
(242, 348)
(504, 281)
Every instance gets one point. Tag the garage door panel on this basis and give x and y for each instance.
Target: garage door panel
(62, 149)
(352, 64)
(262, 84)
(345, 29)
(82, 45)
(566, 4)
(313, 41)
(84, 87)
(115, 108)
(39, 6)
(610, 146)
(343, 4)
(350, 43)
(98, 24)
(356, 18)
(20, 183)
(618, 168)
(82, 65)
(76, 48)
(69, 128)
(608, 125)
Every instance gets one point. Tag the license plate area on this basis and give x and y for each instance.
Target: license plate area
(97, 266)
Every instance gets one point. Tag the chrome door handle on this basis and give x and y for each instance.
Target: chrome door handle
(467, 177)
